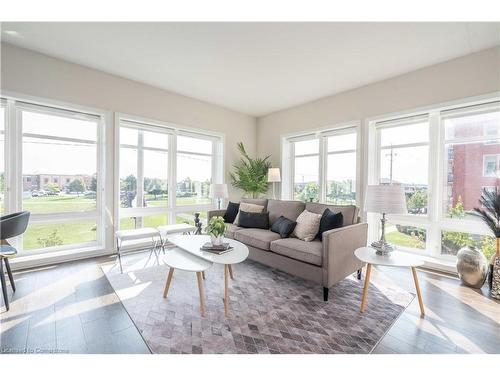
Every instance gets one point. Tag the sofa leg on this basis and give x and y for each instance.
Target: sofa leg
(325, 294)
(359, 272)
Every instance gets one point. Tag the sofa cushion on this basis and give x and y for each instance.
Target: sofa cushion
(231, 229)
(308, 252)
(257, 201)
(289, 209)
(254, 220)
(259, 238)
(307, 226)
(283, 226)
(349, 213)
(248, 207)
(329, 221)
(231, 212)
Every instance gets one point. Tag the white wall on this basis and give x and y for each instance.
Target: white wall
(31, 73)
(467, 76)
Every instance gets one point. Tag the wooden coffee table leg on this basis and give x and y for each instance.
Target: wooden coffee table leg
(169, 280)
(230, 271)
(203, 274)
(199, 276)
(417, 287)
(226, 291)
(365, 289)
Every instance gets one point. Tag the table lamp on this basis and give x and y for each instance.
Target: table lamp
(219, 192)
(273, 175)
(385, 199)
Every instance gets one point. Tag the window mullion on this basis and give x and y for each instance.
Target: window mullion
(140, 172)
(322, 159)
(172, 176)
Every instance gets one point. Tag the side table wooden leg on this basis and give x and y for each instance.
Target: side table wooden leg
(230, 271)
(202, 293)
(419, 294)
(226, 289)
(169, 280)
(365, 289)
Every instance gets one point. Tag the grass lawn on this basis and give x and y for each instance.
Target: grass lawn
(69, 233)
(58, 203)
(404, 240)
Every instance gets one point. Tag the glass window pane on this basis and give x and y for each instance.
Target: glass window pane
(190, 144)
(194, 176)
(342, 142)
(155, 139)
(341, 178)
(407, 166)
(306, 147)
(405, 134)
(128, 136)
(58, 176)
(451, 242)
(53, 125)
(39, 236)
(470, 168)
(478, 125)
(188, 218)
(128, 177)
(136, 222)
(405, 236)
(306, 185)
(155, 178)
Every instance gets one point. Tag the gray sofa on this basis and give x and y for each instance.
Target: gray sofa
(324, 262)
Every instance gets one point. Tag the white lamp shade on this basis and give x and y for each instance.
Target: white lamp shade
(273, 175)
(387, 199)
(218, 191)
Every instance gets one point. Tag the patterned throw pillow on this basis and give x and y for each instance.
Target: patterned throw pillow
(307, 226)
(248, 207)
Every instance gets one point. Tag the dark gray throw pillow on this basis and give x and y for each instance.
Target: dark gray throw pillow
(283, 226)
(329, 221)
(253, 220)
(231, 212)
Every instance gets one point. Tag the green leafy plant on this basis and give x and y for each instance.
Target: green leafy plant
(490, 210)
(216, 226)
(250, 174)
(52, 240)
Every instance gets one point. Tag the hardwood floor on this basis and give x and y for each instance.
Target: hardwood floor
(71, 308)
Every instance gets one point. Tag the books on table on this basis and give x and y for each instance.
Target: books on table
(216, 249)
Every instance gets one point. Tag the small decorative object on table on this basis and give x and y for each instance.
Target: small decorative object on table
(385, 199)
(216, 228)
(217, 249)
(197, 223)
(490, 213)
(472, 266)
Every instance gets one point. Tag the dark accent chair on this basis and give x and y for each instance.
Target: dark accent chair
(10, 226)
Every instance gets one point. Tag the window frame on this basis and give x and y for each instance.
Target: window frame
(15, 105)
(435, 222)
(288, 158)
(173, 130)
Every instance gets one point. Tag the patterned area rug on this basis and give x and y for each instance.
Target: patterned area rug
(270, 311)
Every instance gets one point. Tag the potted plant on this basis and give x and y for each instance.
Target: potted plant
(250, 174)
(216, 228)
(489, 212)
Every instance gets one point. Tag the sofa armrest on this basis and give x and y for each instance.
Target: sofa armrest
(212, 213)
(338, 252)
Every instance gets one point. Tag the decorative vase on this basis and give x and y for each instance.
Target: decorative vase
(217, 240)
(472, 267)
(495, 286)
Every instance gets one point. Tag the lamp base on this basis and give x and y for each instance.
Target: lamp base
(382, 247)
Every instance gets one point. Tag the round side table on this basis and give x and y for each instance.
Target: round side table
(393, 259)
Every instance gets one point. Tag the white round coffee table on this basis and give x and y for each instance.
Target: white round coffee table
(183, 260)
(394, 259)
(193, 243)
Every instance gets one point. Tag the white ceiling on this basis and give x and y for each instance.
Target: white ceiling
(254, 68)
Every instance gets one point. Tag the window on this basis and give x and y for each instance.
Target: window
(3, 114)
(322, 167)
(306, 168)
(149, 171)
(194, 171)
(53, 142)
(440, 197)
